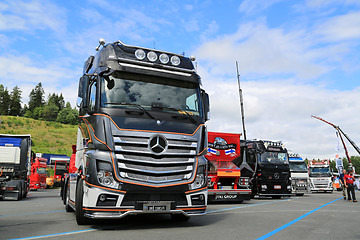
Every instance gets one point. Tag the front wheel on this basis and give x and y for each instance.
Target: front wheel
(80, 218)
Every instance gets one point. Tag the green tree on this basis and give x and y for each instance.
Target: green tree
(68, 115)
(36, 97)
(15, 102)
(4, 100)
(50, 112)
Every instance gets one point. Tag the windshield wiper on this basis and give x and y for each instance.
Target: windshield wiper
(135, 105)
(178, 110)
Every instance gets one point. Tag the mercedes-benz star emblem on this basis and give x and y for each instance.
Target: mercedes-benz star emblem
(158, 144)
(276, 176)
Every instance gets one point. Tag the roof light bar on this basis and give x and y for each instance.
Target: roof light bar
(152, 56)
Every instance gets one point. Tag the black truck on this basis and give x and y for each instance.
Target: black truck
(15, 165)
(141, 138)
(268, 168)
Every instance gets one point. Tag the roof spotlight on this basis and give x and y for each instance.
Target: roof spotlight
(164, 59)
(152, 56)
(140, 54)
(175, 60)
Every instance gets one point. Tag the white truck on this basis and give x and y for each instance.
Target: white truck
(15, 165)
(300, 182)
(320, 176)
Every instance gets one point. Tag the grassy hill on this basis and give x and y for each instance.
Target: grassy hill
(48, 137)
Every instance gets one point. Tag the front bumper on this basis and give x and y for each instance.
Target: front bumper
(116, 205)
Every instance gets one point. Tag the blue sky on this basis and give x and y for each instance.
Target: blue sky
(296, 58)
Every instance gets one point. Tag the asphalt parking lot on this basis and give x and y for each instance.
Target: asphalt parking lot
(313, 216)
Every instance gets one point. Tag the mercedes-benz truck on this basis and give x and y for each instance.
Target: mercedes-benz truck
(268, 168)
(141, 138)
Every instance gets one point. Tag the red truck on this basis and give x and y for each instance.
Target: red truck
(38, 174)
(224, 176)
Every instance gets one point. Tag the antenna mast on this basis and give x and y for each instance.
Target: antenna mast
(244, 163)
(241, 101)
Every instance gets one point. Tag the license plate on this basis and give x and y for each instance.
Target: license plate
(277, 186)
(300, 182)
(161, 206)
(227, 187)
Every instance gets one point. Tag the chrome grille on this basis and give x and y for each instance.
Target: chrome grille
(137, 162)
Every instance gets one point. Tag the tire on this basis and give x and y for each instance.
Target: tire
(64, 193)
(19, 195)
(179, 218)
(79, 211)
(68, 208)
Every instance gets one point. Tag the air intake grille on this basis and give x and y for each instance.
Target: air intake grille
(156, 159)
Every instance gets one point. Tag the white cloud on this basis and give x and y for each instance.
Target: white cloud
(263, 51)
(24, 72)
(281, 110)
(340, 28)
(27, 16)
(256, 6)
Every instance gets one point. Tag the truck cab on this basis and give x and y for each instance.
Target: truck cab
(269, 169)
(15, 164)
(320, 176)
(225, 180)
(141, 138)
(300, 182)
(38, 174)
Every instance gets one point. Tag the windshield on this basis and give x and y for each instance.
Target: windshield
(274, 157)
(124, 90)
(298, 166)
(320, 172)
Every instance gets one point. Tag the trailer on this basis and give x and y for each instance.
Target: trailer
(15, 164)
(225, 182)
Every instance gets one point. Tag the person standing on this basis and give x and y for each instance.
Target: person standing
(349, 180)
(341, 178)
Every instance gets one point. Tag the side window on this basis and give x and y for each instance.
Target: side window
(92, 97)
(192, 102)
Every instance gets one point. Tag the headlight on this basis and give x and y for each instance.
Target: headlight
(199, 181)
(264, 187)
(105, 176)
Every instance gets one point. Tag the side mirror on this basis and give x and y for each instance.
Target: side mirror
(82, 92)
(206, 103)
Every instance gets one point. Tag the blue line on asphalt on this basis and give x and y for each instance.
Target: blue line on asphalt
(56, 234)
(23, 214)
(250, 205)
(294, 221)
